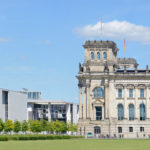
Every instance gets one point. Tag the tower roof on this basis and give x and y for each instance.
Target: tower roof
(101, 44)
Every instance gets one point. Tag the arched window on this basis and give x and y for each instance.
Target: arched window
(131, 112)
(105, 55)
(142, 112)
(98, 55)
(120, 112)
(92, 55)
(97, 130)
(98, 92)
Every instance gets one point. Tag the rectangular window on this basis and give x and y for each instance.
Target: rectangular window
(98, 113)
(141, 129)
(131, 93)
(141, 93)
(119, 129)
(130, 129)
(119, 93)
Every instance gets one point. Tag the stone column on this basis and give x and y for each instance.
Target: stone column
(84, 103)
(80, 101)
(147, 102)
(136, 103)
(126, 110)
(88, 98)
(106, 104)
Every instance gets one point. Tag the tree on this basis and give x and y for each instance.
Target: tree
(24, 126)
(72, 127)
(17, 126)
(63, 127)
(44, 125)
(51, 127)
(57, 126)
(8, 126)
(35, 126)
(1, 125)
(60, 126)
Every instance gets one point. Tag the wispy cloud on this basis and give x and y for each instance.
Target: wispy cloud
(24, 69)
(117, 30)
(4, 40)
(47, 42)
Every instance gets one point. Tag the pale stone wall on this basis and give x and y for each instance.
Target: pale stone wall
(111, 81)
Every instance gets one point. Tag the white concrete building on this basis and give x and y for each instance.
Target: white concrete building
(25, 105)
(114, 95)
(53, 110)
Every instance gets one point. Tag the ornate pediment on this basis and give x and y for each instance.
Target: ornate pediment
(98, 101)
(119, 86)
(141, 86)
(130, 86)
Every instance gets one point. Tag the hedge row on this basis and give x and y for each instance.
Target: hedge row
(36, 137)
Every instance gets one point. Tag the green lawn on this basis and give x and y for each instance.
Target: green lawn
(77, 144)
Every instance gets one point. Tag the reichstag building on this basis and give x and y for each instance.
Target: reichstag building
(114, 94)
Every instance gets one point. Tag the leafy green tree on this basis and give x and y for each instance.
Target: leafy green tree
(8, 126)
(60, 126)
(72, 127)
(24, 126)
(17, 126)
(35, 126)
(1, 125)
(51, 127)
(63, 127)
(44, 125)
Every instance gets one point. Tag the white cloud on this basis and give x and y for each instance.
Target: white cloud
(24, 69)
(117, 30)
(4, 40)
(47, 42)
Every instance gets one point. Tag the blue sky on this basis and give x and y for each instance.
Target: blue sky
(40, 48)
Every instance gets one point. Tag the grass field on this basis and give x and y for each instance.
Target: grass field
(77, 144)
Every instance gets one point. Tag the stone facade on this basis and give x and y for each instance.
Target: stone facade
(107, 87)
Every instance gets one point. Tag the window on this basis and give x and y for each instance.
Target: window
(105, 55)
(131, 93)
(98, 113)
(92, 55)
(130, 129)
(131, 112)
(119, 129)
(120, 112)
(98, 92)
(142, 112)
(97, 130)
(141, 129)
(141, 93)
(98, 55)
(119, 93)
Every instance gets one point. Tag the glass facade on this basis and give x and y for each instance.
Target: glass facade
(34, 95)
(58, 112)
